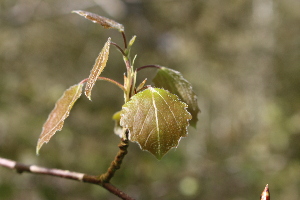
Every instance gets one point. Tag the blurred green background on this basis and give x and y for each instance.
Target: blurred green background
(242, 57)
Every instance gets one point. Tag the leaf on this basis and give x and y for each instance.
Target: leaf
(58, 115)
(105, 22)
(174, 82)
(99, 65)
(141, 85)
(156, 120)
(132, 40)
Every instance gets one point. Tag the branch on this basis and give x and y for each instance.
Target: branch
(102, 180)
(116, 164)
(20, 168)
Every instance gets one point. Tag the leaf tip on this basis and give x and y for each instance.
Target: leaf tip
(79, 12)
(74, 11)
(38, 147)
(132, 40)
(88, 95)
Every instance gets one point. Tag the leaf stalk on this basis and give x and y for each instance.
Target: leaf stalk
(148, 66)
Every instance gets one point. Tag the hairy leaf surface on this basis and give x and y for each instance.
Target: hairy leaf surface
(98, 67)
(58, 115)
(174, 82)
(105, 22)
(156, 120)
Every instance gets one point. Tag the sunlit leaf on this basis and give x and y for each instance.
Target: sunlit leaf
(99, 65)
(156, 120)
(265, 195)
(174, 82)
(58, 115)
(105, 22)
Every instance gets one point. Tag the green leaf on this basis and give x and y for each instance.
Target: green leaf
(99, 66)
(58, 115)
(105, 22)
(174, 82)
(156, 120)
(131, 41)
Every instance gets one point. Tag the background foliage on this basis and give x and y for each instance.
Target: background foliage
(242, 58)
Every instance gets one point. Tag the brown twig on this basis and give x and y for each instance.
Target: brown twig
(102, 180)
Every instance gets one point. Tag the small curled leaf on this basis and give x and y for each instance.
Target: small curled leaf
(98, 67)
(58, 115)
(105, 22)
(156, 120)
(174, 82)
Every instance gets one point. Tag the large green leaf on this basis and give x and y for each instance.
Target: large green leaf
(98, 67)
(174, 82)
(58, 115)
(156, 120)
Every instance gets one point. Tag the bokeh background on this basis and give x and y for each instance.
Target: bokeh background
(242, 57)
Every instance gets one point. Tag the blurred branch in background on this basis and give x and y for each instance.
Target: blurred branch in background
(242, 58)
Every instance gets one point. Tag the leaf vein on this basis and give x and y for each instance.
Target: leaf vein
(168, 107)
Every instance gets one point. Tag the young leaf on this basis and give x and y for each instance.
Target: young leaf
(105, 22)
(141, 85)
(58, 115)
(131, 41)
(156, 120)
(99, 65)
(174, 82)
